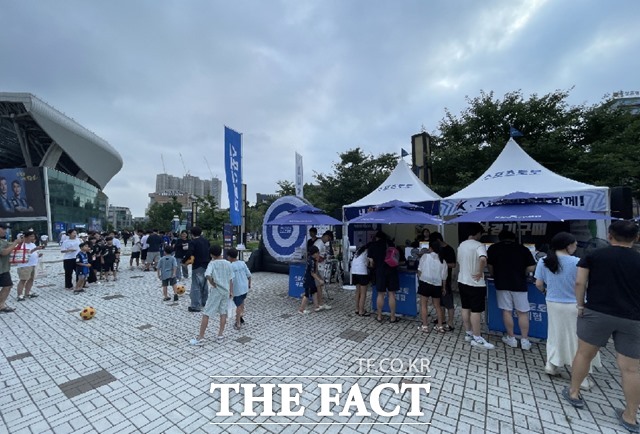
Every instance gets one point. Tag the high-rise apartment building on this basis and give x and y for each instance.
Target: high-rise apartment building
(188, 185)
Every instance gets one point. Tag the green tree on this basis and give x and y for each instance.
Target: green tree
(161, 215)
(211, 219)
(609, 140)
(467, 144)
(356, 175)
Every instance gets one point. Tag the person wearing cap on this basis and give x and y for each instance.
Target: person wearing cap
(5, 275)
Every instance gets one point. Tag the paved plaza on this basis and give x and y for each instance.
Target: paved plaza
(131, 368)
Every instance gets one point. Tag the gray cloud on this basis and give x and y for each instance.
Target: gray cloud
(316, 77)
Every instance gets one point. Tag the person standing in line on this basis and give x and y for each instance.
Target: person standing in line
(509, 262)
(313, 236)
(360, 275)
(241, 285)
(6, 284)
(70, 248)
(199, 247)
(27, 271)
(387, 280)
(472, 259)
(556, 279)
(608, 304)
(432, 281)
(446, 301)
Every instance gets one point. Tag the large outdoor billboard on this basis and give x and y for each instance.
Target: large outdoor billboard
(22, 195)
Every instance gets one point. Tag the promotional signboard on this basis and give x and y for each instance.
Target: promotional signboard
(22, 195)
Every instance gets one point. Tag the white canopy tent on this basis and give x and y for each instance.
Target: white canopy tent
(402, 184)
(515, 170)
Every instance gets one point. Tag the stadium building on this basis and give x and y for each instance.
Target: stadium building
(52, 169)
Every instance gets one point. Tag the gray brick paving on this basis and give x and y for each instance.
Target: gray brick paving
(130, 369)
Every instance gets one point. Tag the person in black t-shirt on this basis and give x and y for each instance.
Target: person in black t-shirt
(509, 262)
(610, 279)
(154, 241)
(199, 248)
(312, 281)
(182, 253)
(446, 301)
(108, 255)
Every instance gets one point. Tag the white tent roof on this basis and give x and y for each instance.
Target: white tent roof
(515, 170)
(402, 184)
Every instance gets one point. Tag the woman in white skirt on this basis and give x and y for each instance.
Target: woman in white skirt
(556, 277)
(360, 276)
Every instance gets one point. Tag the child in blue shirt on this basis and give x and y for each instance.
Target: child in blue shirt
(82, 267)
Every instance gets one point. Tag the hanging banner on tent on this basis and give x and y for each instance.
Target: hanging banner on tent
(233, 169)
(299, 176)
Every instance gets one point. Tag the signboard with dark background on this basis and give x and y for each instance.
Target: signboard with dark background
(22, 195)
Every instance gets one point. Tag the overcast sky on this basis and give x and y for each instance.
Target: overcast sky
(317, 77)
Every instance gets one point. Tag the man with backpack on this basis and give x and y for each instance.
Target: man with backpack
(386, 279)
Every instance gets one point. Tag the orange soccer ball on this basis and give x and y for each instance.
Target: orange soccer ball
(180, 289)
(87, 313)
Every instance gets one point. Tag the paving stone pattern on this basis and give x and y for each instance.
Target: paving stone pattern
(131, 369)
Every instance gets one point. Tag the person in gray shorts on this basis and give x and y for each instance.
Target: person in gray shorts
(610, 277)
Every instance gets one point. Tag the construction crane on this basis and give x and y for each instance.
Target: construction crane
(186, 172)
(209, 167)
(164, 169)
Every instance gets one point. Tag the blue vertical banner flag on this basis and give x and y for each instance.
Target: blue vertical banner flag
(233, 169)
(299, 176)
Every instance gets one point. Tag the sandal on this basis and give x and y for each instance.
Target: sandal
(576, 402)
(424, 329)
(7, 309)
(447, 328)
(380, 320)
(364, 314)
(440, 329)
(395, 320)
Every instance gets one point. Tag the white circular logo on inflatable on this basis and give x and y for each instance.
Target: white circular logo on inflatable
(282, 241)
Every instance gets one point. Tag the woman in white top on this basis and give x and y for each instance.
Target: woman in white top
(556, 278)
(360, 276)
(70, 248)
(432, 278)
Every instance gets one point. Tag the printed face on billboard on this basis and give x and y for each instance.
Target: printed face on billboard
(22, 195)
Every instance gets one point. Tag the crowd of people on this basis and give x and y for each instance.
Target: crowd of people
(589, 300)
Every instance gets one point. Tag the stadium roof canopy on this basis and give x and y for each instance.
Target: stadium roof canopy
(34, 134)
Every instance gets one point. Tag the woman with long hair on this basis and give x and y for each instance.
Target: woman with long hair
(556, 277)
(432, 278)
(360, 274)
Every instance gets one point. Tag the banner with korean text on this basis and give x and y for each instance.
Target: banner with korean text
(233, 169)
(299, 176)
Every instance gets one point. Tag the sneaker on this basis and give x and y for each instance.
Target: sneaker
(191, 309)
(166, 299)
(586, 384)
(551, 369)
(220, 338)
(525, 344)
(33, 295)
(303, 312)
(21, 298)
(468, 336)
(325, 307)
(175, 297)
(479, 341)
(77, 291)
(511, 341)
(197, 342)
